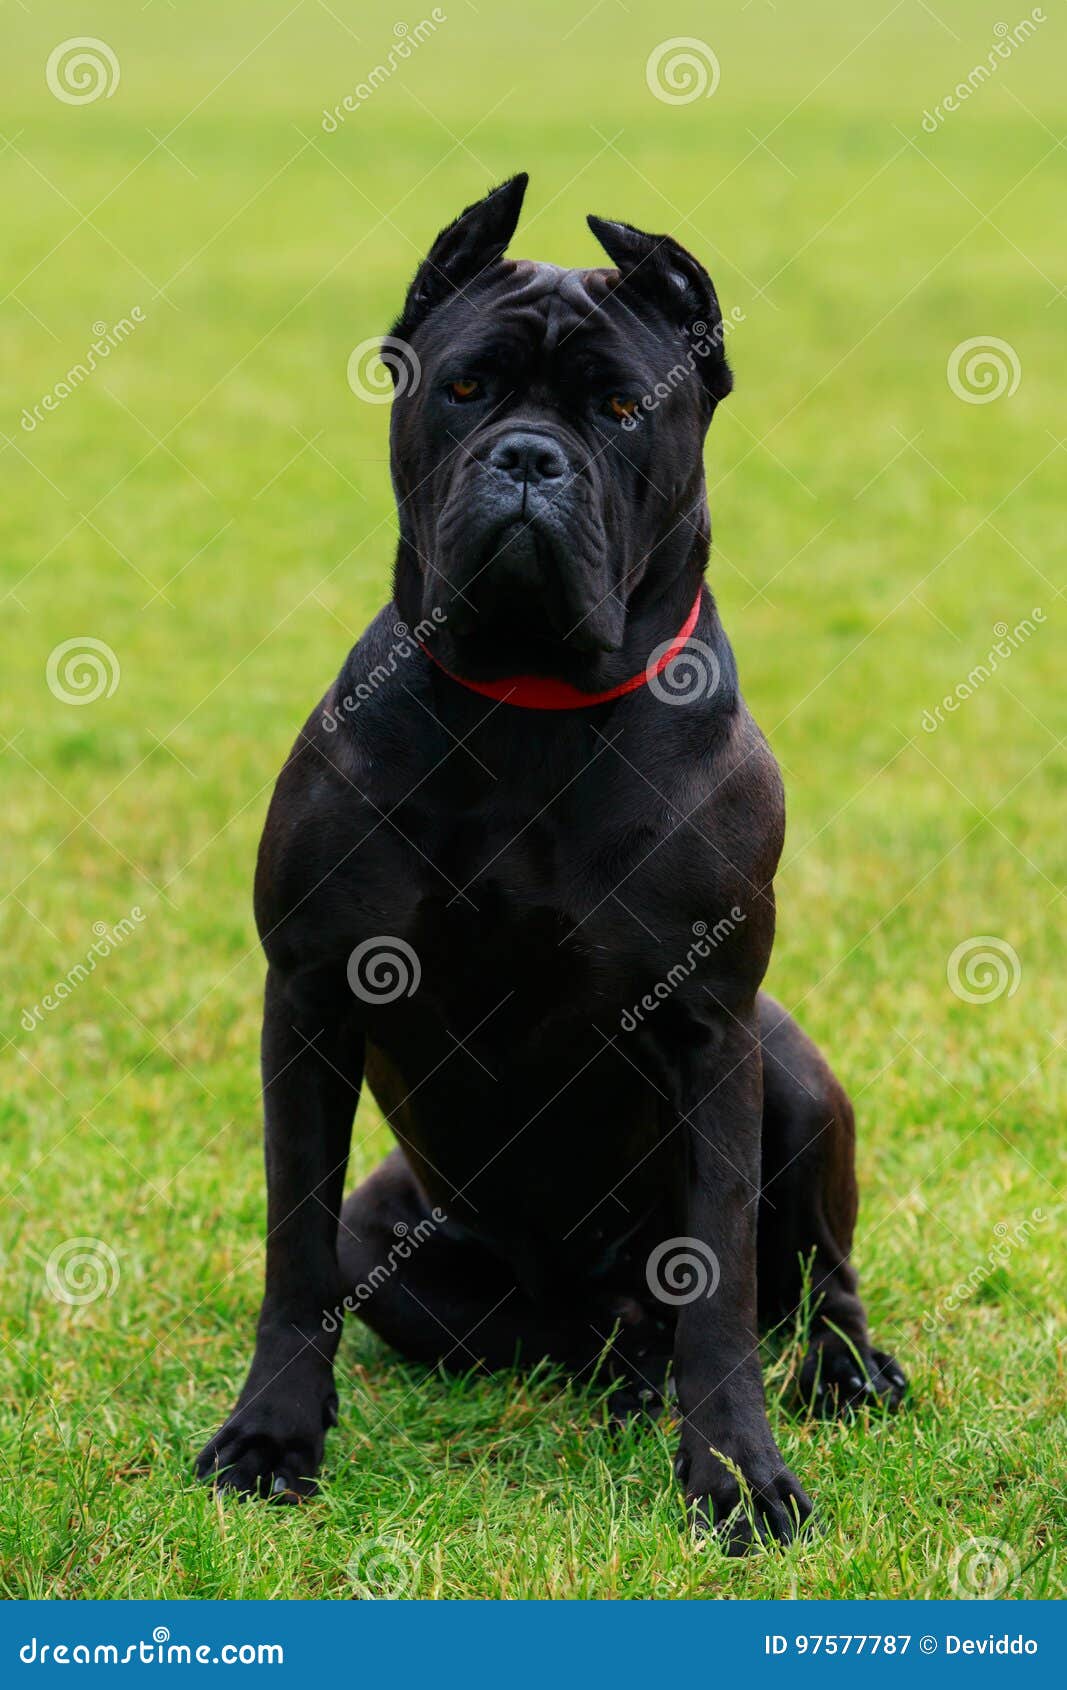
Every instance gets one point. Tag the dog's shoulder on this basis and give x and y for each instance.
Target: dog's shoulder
(722, 822)
(309, 816)
(712, 762)
(744, 776)
(332, 792)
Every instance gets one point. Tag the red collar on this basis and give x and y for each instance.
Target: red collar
(544, 692)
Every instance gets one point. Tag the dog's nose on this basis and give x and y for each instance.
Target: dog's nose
(528, 457)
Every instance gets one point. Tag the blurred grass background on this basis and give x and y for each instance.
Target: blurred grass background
(214, 504)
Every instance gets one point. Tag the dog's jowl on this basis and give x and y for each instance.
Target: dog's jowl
(517, 878)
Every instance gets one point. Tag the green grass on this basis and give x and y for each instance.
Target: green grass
(871, 529)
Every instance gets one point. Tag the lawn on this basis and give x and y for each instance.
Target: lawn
(212, 504)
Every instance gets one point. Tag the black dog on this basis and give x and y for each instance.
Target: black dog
(518, 873)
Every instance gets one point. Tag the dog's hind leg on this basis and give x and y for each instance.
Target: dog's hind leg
(807, 1215)
(440, 1297)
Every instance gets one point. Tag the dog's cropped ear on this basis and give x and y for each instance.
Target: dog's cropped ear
(656, 268)
(477, 239)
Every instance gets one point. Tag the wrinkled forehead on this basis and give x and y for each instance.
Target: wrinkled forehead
(551, 302)
(545, 305)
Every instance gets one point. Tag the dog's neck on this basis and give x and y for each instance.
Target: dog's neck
(656, 610)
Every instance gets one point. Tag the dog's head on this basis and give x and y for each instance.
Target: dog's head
(547, 433)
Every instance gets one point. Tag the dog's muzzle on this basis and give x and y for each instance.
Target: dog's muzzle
(521, 540)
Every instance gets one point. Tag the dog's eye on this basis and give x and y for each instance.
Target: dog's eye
(462, 390)
(621, 409)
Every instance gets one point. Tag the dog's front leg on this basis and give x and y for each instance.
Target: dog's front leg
(734, 1476)
(312, 1067)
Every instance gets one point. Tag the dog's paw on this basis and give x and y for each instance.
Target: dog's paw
(837, 1379)
(748, 1500)
(269, 1449)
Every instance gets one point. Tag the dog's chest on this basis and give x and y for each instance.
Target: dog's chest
(510, 930)
(506, 903)
(510, 899)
